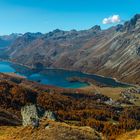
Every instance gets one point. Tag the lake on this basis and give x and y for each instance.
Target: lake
(55, 77)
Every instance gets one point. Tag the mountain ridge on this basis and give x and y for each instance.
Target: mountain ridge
(113, 52)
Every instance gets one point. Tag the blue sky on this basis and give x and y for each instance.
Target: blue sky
(22, 16)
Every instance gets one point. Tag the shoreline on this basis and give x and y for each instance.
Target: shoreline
(71, 70)
(15, 75)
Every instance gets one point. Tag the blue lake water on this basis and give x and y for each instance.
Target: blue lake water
(54, 77)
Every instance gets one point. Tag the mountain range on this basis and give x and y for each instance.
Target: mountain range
(7, 40)
(113, 52)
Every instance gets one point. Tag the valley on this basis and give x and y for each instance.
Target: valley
(113, 52)
(71, 85)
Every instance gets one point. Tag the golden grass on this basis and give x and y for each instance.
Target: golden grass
(134, 135)
(56, 131)
(7, 132)
(111, 92)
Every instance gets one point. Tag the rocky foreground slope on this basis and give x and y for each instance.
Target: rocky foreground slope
(134, 135)
(80, 114)
(50, 130)
(112, 52)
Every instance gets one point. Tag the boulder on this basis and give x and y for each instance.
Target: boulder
(31, 114)
(50, 115)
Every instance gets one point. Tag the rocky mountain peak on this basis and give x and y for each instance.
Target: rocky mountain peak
(96, 28)
(28, 34)
(136, 17)
(131, 24)
(54, 33)
(57, 32)
(119, 27)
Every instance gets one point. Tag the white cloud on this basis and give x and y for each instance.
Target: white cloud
(112, 19)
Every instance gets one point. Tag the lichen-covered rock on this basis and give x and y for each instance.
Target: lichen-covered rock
(29, 115)
(50, 115)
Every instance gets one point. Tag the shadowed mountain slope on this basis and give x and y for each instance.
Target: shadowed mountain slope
(114, 52)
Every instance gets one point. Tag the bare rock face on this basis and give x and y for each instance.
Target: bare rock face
(130, 25)
(138, 51)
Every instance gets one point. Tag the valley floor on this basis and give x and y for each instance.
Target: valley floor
(113, 93)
